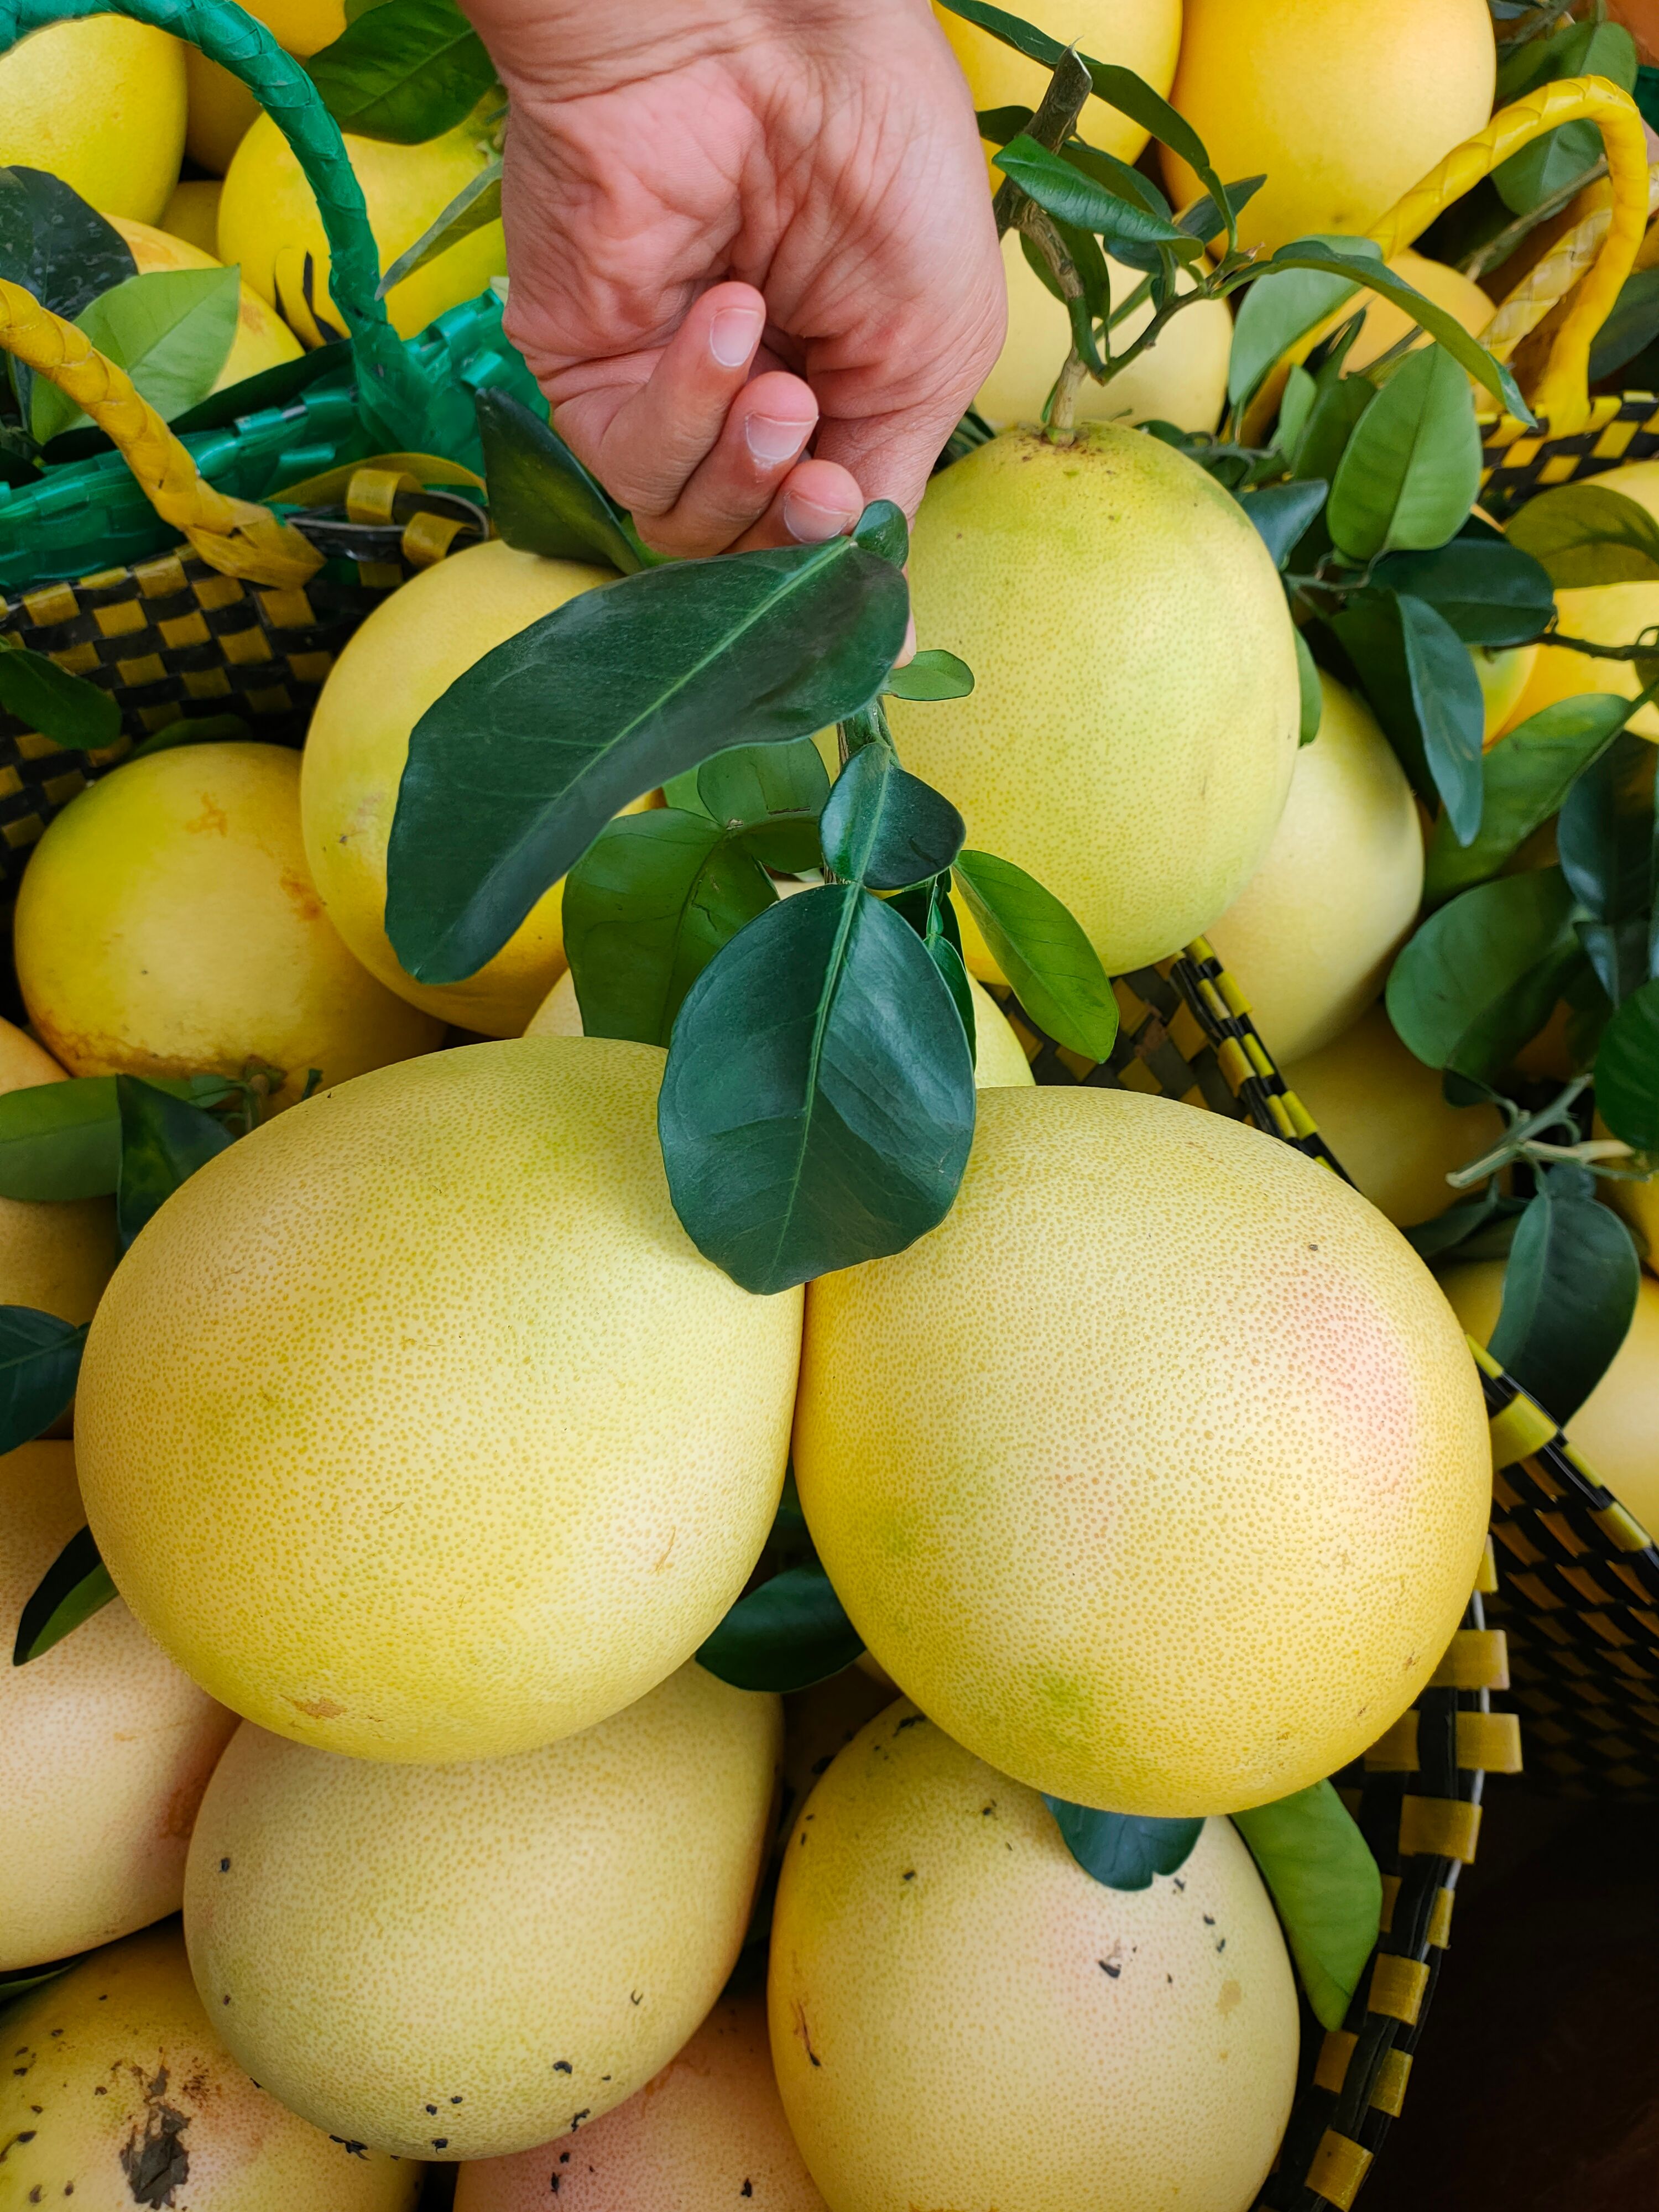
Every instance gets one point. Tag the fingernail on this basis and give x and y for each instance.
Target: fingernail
(809, 523)
(771, 439)
(733, 335)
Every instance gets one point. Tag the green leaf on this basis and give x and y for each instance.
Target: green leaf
(406, 72)
(542, 500)
(774, 794)
(63, 1140)
(66, 708)
(787, 1634)
(514, 771)
(171, 331)
(475, 207)
(1271, 319)
(163, 1141)
(1074, 199)
(999, 124)
(1450, 709)
(1327, 1889)
(1361, 259)
(1627, 1071)
(1042, 950)
(1282, 512)
(1206, 219)
(74, 1586)
(885, 828)
(1488, 590)
(933, 674)
(1544, 168)
(1479, 1228)
(1524, 780)
(1295, 406)
(645, 909)
(1583, 534)
(1313, 699)
(818, 1101)
(946, 956)
(1630, 328)
(1411, 468)
(1481, 975)
(55, 246)
(1123, 1851)
(18, 1979)
(1339, 406)
(40, 1359)
(1569, 1292)
(1605, 835)
(883, 530)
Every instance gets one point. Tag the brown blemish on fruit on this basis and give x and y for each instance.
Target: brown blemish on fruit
(805, 2033)
(1231, 1997)
(317, 1709)
(301, 895)
(156, 2163)
(212, 818)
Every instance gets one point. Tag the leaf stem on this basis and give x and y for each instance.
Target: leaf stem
(1521, 1140)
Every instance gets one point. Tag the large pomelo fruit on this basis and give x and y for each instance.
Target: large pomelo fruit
(962, 2016)
(100, 103)
(415, 1426)
(1131, 734)
(1159, 1474)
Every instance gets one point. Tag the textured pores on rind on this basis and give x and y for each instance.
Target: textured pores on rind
(1132, 725)
(1159, 1474)
(961, 2017)
(459, 1962)
(707, 2134)
(118, 2093)
(416, 1427)
(105, 1748)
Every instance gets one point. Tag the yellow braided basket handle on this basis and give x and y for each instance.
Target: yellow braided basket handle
(235, 536)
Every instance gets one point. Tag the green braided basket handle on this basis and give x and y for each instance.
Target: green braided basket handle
(391, 383)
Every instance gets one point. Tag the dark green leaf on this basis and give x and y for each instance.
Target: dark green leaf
(1569, 1292)
(1272, 317)
(1411, 468)
(63, 1140)
(1118, 177)
(1339, 406)
(1544, 169)
(883, 530)
(885, 828)
(1450, 709)
(475, 207)
(818, 1101)
(1488, 590)
(1627, 1071)
(406, 72)
(1605, 835)
(1123, 1851)
(1327, 1889)
(933, 674)
(171, 329)
(1296, 405)
(40, 1359)
(1282, 512)
(1074, 199)
(999, 124)
(1481, 975)
(1632, 325)
(66, 708)
(55, 246)
(1039, 946)
(1372, 632)
(1583, 534)
(18, 1979)
(163, 1141)
(1524, 780)
(74, 1586)
(1313, 699)
(1479, 1228)
(542, 500)
(514, 771)
(646, 910)
(946, 956)
(787, 1635)
(774, 793)
(1206, 220)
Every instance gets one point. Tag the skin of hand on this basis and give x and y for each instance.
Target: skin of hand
(736, 228)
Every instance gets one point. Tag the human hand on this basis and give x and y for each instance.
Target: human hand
(731, 224)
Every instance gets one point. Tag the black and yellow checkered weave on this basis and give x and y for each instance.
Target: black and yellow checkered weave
(1516, 463)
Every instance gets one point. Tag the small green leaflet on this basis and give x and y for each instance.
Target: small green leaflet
(933, 674)
(55, 704)
(1412, 469)
(163, 1141)
(1489, 592)
(40, 1359)
(74, 1586)
(1627, 1071)
(1313, 699)
(1569, 1292)
(1271, 319)
(542, 500)
(1124, 1851)
(55, 246)
(774, 794)
(475, 207)
(785, 1635)
(1281, 513)
(885, 828)
(1327, 1889)
(1524, 781)
(62, 1141)
(407, 71)
(1584, 534)
(1080, 201)
(1054, 970)
(1481, 975)
(171, 331)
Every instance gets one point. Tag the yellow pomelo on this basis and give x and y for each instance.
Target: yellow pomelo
(100, 103)
(998, 1056)
(1133, 727)
(302, 26)
(167, 925)
(1342, 104)
(105, 1747)
(261, 338)
(220, 114)
(1144, 35)
(1183, 379)
(54, 1255)
(1385, 324)
(192, 215)
(1254, 1367)
(1617, 1427)
(1385, 1116)
(1310, 938)
(1602, 614)
(962, 2016)
(121, 2094)
(526, 1443)
(269, 223)
(461, 1962)
(706, 2134)
(406, 655)
(1504, 672)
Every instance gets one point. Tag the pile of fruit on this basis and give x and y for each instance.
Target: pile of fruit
(699, 1590)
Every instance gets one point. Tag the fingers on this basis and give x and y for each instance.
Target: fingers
(816, 501)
